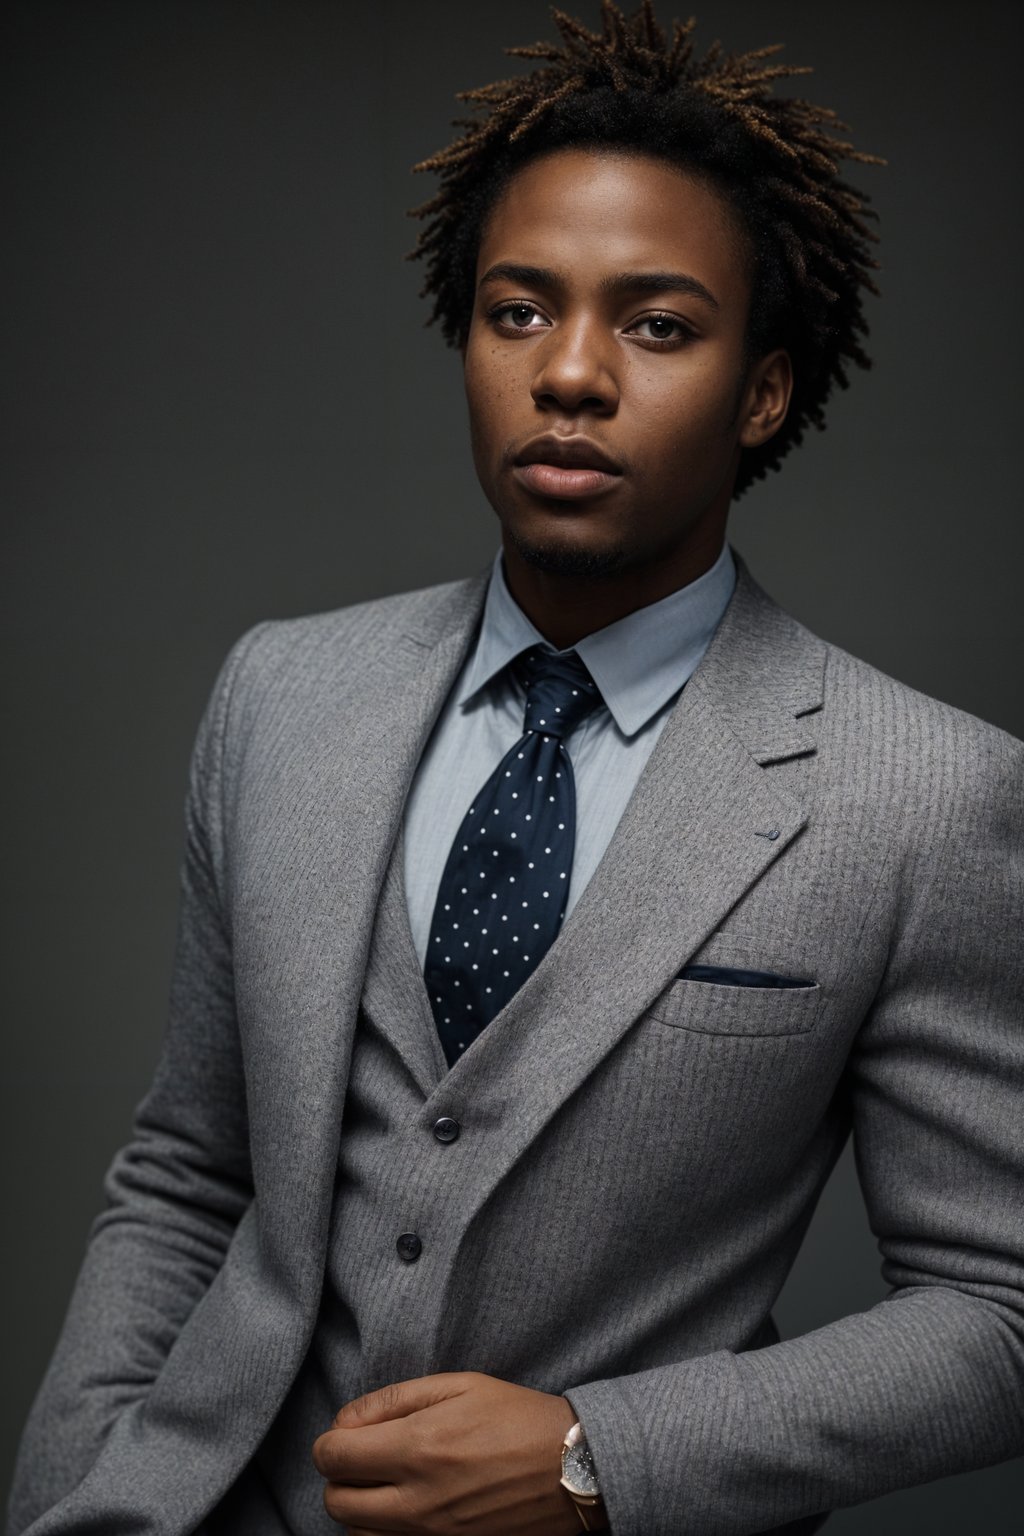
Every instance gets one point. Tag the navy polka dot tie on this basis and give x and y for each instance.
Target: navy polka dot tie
(503, 892)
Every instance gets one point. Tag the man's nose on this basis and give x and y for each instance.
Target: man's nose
(576, 369)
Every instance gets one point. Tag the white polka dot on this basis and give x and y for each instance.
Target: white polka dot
(562, 875)
(536, 925)
(493, 952)
(547, 850)
(547, 893)
(512, 834)
(515, 794)
(476, 967)
(531, 866)
(561, 826)
(511, 879)
(504, 973)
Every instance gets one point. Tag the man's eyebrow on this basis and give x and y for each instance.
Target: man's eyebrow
(530, 277)
(659, 282)
(647, 283)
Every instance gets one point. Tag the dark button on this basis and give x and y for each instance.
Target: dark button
(409, 1247)
(447, 1129)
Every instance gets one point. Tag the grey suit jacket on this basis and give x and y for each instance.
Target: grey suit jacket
(641, 1151)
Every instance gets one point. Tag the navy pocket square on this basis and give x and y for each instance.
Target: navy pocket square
(732, 976)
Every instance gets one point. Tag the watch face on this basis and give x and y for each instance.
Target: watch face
(578, 1469)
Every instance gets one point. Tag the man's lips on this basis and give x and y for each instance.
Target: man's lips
(571, 468)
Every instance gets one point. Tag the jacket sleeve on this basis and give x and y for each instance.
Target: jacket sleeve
(175, 1193)
(931, 1380)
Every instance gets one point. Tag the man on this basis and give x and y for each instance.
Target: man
(738, 893)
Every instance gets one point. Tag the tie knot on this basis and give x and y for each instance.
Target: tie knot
(560, 692)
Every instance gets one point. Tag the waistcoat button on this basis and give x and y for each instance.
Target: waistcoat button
(409, 1247)
(447, 1129)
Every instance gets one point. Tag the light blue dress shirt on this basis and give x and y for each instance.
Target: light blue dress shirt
(639, 663)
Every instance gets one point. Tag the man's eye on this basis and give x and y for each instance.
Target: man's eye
(660, 328)
(517, 316)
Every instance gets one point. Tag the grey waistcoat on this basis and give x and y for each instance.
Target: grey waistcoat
(372, 1327)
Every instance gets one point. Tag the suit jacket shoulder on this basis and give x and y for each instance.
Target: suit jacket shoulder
(313, 645)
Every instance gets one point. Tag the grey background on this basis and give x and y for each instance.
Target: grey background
(221, 406)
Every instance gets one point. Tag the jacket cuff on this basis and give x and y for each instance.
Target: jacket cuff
(611, 1422)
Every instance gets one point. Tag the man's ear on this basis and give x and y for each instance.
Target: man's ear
(766, 398)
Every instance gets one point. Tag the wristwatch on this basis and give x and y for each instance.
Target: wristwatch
(579, 1479)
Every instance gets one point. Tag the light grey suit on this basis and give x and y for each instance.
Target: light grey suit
(640, 1153)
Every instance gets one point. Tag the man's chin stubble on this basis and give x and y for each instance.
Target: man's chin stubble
(566, 559)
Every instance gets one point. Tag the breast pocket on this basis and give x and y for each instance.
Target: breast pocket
(710, 1008)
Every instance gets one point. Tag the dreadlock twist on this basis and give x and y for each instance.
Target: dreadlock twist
(776, 159)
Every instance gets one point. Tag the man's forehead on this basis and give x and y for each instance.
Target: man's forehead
(613, 215)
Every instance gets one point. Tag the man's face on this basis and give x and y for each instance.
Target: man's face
(605, 372)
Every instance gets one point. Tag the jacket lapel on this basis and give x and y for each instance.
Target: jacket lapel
(703, 824)
(323, 809)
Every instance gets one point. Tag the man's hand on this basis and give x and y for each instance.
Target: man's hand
(458, 1452)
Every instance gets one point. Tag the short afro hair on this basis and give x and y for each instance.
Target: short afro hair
(775, 159)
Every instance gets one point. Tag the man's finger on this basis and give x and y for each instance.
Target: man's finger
(400, 1398)
(363, 1453)
(367, 1509)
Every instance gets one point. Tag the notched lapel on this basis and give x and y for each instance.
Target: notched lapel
(322, 809)
(704, 823)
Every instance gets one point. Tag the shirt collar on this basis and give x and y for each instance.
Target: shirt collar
(639, 663)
